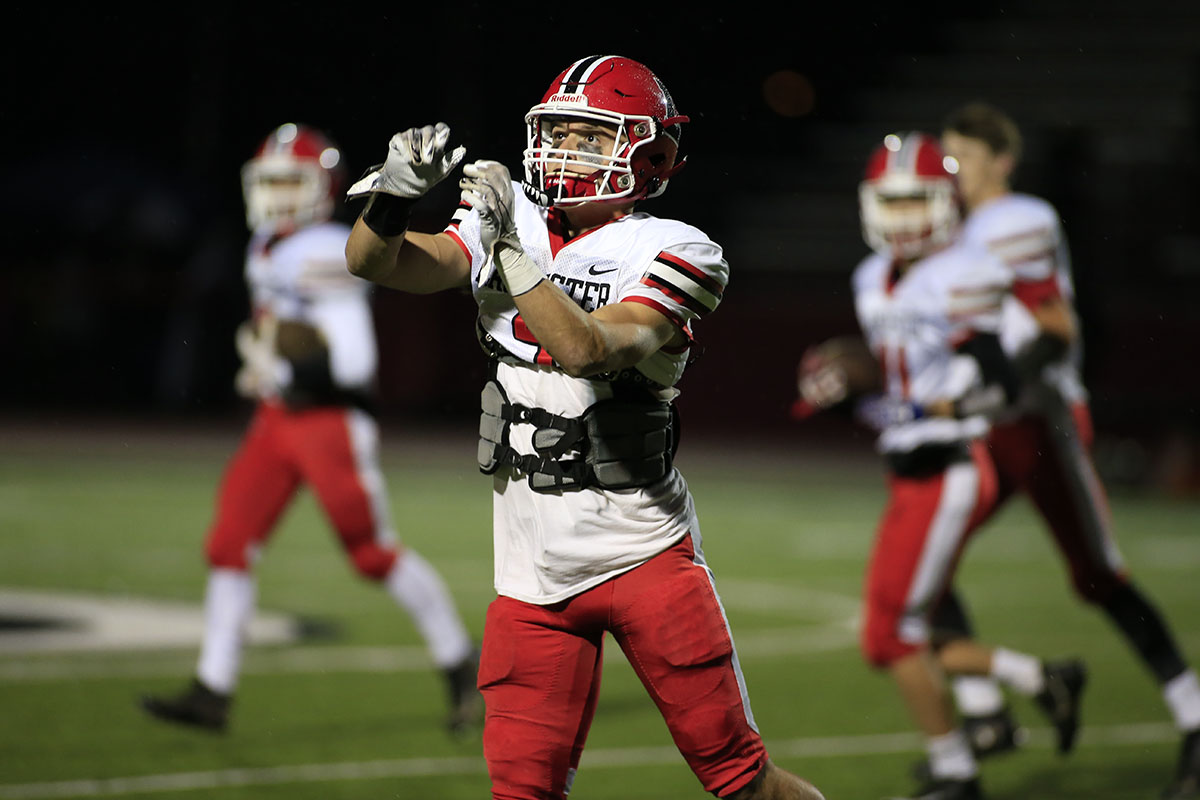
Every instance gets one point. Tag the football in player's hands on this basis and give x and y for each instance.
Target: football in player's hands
(297, 341)
(835, 370)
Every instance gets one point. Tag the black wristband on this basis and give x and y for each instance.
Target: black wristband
(387, 214)
(1042, 351)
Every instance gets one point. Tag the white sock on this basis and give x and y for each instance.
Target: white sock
(1019, 671)
(950, 756)
(228, 608)
(420, 591)
(1182, 694)
(977, 696)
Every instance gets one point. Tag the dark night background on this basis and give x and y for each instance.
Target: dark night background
(121, 280)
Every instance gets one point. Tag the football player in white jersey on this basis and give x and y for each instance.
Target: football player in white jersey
(587, 308)
(929, 306)
(309, 365)
(1043, 447)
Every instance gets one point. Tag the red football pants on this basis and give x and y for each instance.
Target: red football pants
(332, 450)
(1049, 459)
(540, 673)
(917, 547)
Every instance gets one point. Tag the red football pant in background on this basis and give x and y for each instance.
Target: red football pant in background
(334, 451)
(918, 545)
(1048, 458)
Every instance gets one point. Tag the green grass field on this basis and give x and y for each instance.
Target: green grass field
(358, 714)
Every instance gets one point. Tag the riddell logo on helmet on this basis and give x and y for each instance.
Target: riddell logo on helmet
(575, 99)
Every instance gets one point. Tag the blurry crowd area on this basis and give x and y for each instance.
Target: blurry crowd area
(121, 282)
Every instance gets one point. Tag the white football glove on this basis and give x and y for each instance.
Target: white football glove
(263, 372)
(487, 188)
(416, 162)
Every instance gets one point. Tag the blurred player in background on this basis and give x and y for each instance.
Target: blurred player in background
(929, 307)
(1042, 447)
(586, 308)
(309, 360)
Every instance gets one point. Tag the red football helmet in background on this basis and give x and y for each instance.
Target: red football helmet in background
(909, 196)
(612, 91)
(292, 179)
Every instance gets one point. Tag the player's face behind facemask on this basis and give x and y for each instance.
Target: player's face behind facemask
(638, 156)
(910, 226)
(908, 199)
(581, 158)
(292, 180)
(283, 194)
(581, 145)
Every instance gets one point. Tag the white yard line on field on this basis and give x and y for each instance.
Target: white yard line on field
(604, 758)
(120, 632)
(752, 645)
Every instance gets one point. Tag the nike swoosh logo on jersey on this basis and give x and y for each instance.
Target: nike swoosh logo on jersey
(593, 271)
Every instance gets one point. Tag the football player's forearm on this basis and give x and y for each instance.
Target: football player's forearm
(419, 263)
(1056, 319)
(371, 256)
(579, 342)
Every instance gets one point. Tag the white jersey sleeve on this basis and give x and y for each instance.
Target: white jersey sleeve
(1024, 233)
(344, 320)
(685, 282)
(975, 297)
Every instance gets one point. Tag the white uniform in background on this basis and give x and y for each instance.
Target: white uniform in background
(1024, 232)
(303, 278)
(309, 359)
(913, 325)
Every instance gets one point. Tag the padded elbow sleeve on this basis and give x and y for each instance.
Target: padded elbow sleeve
(994, 364)
(1045, 349)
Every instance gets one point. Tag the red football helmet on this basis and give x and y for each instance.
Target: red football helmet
(909, 196)
(616, 93)
(292, 179)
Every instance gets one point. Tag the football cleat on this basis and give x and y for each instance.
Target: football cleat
(1060, 699)
(989, 735)
(197, 706)
(947, 789)
(466, 703)
(1186, 785)
(994, 734)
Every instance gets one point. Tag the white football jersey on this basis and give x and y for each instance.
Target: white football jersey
(914, 323)
(1024, 232)
(303, 277)
(549, 547)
